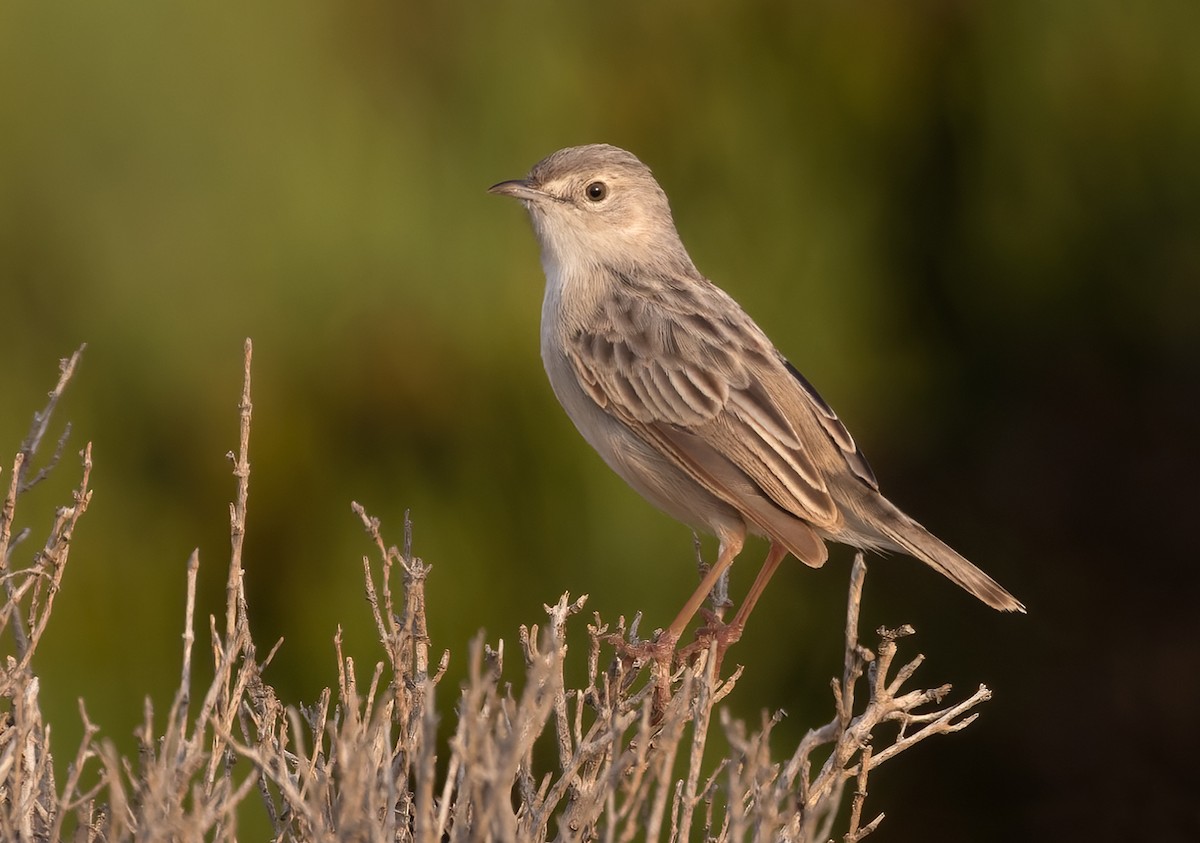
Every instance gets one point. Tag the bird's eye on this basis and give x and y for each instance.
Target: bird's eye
(596, 191)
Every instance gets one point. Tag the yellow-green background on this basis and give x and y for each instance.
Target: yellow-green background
(976, 227)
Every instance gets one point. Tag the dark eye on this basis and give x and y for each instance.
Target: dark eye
(596, 191)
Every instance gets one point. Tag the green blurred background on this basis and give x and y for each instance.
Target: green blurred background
(976, 227)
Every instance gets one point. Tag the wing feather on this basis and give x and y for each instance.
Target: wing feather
(717, 380)
(834, 428)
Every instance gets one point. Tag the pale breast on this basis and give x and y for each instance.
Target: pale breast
(638, 463)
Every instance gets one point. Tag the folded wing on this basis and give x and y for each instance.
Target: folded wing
(717, 398)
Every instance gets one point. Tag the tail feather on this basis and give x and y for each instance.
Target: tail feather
(913, 539)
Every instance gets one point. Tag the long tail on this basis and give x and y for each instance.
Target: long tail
(910, 537)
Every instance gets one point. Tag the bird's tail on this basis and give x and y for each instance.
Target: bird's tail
(910, 537)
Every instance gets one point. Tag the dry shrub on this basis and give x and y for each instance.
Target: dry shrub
(360, 764)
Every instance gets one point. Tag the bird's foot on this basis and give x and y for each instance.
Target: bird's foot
(637, 654)
(658, 654)
(714, 631)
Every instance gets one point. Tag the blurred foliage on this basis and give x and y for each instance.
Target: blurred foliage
(976, 227)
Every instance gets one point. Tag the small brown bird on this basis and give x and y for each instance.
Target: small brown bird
(684, 396)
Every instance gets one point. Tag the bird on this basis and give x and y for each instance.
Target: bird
(684, 396)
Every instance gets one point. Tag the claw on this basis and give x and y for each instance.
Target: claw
(714, 631)
(659, 654)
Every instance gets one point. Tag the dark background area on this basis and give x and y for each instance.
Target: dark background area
(976, 228)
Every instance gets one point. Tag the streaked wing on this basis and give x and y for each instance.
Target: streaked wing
(695, 388)
(836, 430)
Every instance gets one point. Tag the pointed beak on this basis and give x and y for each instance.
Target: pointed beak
(518, 189)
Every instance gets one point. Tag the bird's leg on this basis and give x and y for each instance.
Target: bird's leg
(775, 555)
(661, 651)
(727, 634)
(731, 546)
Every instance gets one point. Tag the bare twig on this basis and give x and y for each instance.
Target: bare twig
(237, 509)
(626, 751)
(41, 422)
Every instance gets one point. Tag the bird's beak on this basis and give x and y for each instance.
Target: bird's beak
(518, 189)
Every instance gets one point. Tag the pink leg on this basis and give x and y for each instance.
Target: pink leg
(731, 546)
(775, 555)
(727, 634)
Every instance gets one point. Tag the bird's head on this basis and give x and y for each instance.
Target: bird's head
(597, 204)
